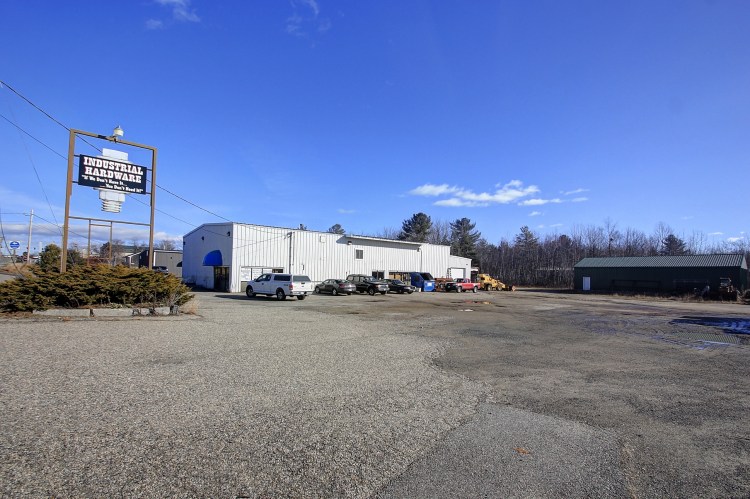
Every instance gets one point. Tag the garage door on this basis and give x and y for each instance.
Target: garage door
(456, 273)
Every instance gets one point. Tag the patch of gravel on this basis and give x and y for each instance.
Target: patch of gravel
(257, 398)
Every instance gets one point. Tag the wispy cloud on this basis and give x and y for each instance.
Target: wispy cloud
(715, 233)
(345, 212)
(735, 239)
(551, 226)
(539, 202)
(154, 24)
(306, 16)
(460, 196)
(181, 12)
(579, 200)
(574, 191)
(535, 213)
(433, 190)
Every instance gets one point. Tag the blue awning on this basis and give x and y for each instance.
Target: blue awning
(213, 259)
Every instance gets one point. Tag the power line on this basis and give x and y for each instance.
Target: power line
(27, 133)
(33, 165)
(191, 203)
(63, 157)
(2, 83)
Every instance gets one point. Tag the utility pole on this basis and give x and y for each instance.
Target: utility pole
(28, 248)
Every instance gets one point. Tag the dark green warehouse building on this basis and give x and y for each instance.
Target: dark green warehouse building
(681, 273)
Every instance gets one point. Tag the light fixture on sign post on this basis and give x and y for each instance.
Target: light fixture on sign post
(117, 133)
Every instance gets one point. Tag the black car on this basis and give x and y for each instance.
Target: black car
(368, 284)
(398, 286)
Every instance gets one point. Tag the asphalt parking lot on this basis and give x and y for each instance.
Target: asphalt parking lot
(526, 394)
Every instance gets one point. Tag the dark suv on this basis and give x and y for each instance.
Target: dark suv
(368, 283)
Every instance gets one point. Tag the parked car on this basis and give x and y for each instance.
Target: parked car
(281, 285)
(461, 284)
(336, 287)
(368, 284)
(160, 269)
(399, 286)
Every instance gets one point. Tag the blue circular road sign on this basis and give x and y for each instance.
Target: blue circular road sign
(14, 245)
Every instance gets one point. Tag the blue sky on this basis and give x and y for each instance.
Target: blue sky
(545, 113)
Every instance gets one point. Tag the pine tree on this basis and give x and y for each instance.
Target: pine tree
(336, 229)
(416, 228)
(673, 245)
(464, 238)
(49, 258)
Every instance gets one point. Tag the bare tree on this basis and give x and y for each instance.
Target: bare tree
(697, 242)
(635, 243)
(661, 231)
(138, 246)
(595, 240)
(612, 235)
(440, 233)
(166, 244)
(387, 233)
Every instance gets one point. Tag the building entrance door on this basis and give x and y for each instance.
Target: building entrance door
(587, 283)
(221, 278)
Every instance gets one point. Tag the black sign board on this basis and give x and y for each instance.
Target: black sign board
(111, 174)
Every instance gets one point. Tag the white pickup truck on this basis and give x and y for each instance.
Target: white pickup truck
(281, 285)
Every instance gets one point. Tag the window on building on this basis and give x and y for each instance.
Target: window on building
(359, 254)
(378, 275)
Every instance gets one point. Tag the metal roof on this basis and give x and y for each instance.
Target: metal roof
(665, 261)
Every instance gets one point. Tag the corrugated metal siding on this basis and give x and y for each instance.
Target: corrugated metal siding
(195, 249)
(320, 255)
(665, 261)
(661, 279)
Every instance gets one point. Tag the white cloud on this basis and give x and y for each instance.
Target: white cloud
(305, 17)
(459, 202)
(313, 5)
(324, 25)
(535, 213)
(715, 233)
(154, 24)
(459, 196)
(433, 190)
(539, 202)
(735, 239)
(294, 25)
(574, 191)
(345, 212)
(554, 226)
(579, 200)
(181, 10)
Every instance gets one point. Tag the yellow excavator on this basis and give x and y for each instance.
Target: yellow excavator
(489, 283)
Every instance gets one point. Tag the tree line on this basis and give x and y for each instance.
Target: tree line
(530, 259)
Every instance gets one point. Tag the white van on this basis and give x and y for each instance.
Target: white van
(281, 285)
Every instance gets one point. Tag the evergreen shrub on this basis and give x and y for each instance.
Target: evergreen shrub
(92, 285)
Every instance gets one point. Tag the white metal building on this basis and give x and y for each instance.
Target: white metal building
(224, 256)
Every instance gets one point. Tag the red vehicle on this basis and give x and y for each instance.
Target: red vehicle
(462, 284)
